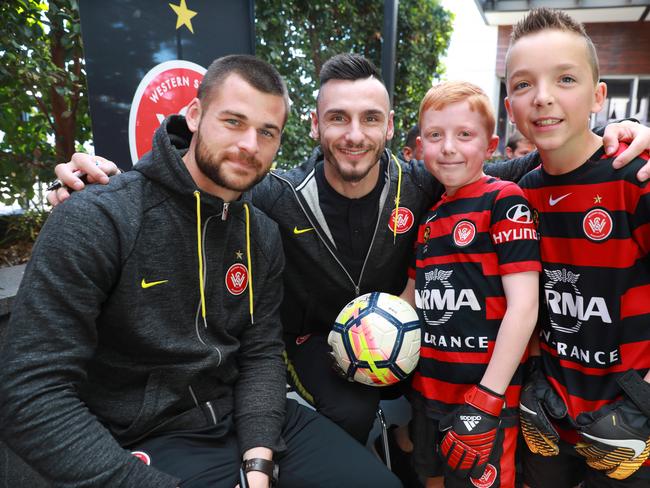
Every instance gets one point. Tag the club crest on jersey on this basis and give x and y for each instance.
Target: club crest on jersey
(488, 478)
(464, 233)
(597, 224)
(237, 279)
(142, 456)
(519, 214)
(404, 219)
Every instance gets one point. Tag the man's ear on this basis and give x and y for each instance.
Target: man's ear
(390, 130)
(193, 115)
(313, 132)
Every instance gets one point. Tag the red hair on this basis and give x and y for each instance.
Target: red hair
(439, 96)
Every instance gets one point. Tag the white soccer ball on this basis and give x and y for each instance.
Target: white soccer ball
(376, 339)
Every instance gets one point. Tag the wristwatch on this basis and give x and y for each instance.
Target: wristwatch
(267, 467)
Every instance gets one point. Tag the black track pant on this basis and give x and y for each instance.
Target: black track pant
(319, 454)
(353, 406)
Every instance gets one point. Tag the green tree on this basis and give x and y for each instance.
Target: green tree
(42, 93)
(42, 80)
(298, 37)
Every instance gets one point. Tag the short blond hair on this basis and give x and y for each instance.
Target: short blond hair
(543, 19)
(439, 96)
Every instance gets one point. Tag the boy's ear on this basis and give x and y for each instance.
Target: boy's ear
(492, 146)
(509, 109)
(600, 95)
(419, 147)
(193, 115)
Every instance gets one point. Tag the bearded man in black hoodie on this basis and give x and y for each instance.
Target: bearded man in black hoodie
(158, 332)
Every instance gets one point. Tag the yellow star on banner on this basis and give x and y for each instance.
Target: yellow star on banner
(597, 199)
(184, 15)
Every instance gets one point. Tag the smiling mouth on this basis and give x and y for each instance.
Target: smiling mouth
(547, 122)
(352, 152)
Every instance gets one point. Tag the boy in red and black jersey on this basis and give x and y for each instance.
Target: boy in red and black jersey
(474, 283)
(594, 226)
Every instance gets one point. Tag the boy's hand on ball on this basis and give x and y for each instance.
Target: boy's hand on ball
(473, 430)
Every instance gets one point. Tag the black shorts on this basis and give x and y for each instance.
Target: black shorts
(568, 468)
(427, 437)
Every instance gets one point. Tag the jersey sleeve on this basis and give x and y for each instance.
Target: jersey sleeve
(640, 220)
(513, 232)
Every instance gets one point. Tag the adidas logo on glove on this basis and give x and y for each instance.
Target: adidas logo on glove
(470, 421)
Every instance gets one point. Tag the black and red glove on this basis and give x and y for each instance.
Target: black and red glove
(473, 430)
(616, 438)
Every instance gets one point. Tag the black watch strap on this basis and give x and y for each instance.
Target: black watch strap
(267, 467)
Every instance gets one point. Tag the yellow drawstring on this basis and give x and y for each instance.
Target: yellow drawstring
(248, 261)
(399, 190)
(197, 196)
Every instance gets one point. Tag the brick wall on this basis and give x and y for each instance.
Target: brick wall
(623, 47)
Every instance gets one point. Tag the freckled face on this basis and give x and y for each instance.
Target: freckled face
(455, 143)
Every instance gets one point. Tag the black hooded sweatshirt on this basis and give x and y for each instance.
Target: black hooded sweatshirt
(108, 336)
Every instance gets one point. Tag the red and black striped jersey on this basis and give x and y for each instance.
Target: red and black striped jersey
(465, 243)
(594, 227)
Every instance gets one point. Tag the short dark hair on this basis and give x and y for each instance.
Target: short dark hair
(348, 66)
(257, 73)
(543, 19)
(412, 135)
(514, 139)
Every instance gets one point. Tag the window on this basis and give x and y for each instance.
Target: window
(626, 97)
(642, 108)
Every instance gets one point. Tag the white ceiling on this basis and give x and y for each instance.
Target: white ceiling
(584, 15)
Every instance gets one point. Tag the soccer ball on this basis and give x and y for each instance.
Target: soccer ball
(376, 339)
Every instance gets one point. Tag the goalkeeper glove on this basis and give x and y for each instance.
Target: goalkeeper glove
(537, 399)
(473, 430)
(616, 438)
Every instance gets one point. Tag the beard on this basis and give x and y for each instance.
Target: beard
(357, 173)
(211, 165)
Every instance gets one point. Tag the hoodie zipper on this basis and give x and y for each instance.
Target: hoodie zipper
(197, 316)
(318, 233)
(374, 235)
